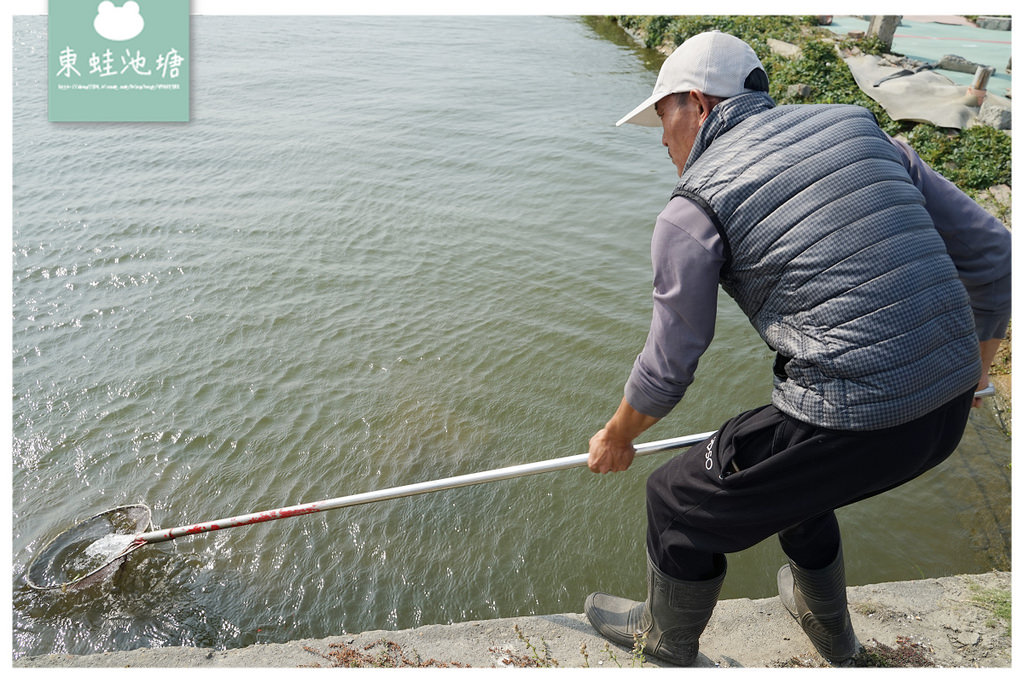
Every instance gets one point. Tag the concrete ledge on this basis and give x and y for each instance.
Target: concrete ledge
(947, 620)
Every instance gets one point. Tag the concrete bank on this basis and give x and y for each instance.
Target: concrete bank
(946, 622)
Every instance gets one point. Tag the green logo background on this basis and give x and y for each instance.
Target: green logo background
(144, 78)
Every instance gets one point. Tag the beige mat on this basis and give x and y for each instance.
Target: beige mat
(925, 96)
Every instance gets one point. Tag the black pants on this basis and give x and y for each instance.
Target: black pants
(766, 473)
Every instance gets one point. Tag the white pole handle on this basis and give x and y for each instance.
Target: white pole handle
(512, 472)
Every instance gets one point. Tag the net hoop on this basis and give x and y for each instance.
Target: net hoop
(48, 570)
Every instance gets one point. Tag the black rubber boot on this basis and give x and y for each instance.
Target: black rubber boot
(817, 600)
(668, 624)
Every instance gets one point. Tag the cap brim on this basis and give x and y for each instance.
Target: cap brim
(644, 115)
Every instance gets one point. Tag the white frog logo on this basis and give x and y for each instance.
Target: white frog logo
(118, 23)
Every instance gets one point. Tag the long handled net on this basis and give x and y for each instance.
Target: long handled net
(92, 550)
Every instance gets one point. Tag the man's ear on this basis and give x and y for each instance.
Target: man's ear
(703, 103)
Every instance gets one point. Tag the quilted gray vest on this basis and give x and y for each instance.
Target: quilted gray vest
(833, 257)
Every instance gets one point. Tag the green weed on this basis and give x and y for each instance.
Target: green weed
(997, 602)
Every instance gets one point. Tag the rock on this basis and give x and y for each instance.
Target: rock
(968, 638)
(996, 115)
(884, 27)
(958, 63)
(784, 49)
(993, 23)
(799, 91)
(1000, 194)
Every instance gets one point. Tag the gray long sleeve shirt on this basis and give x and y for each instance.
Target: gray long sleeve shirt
(687, 255)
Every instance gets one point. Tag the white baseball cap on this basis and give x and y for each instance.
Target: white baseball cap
(714, 63)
